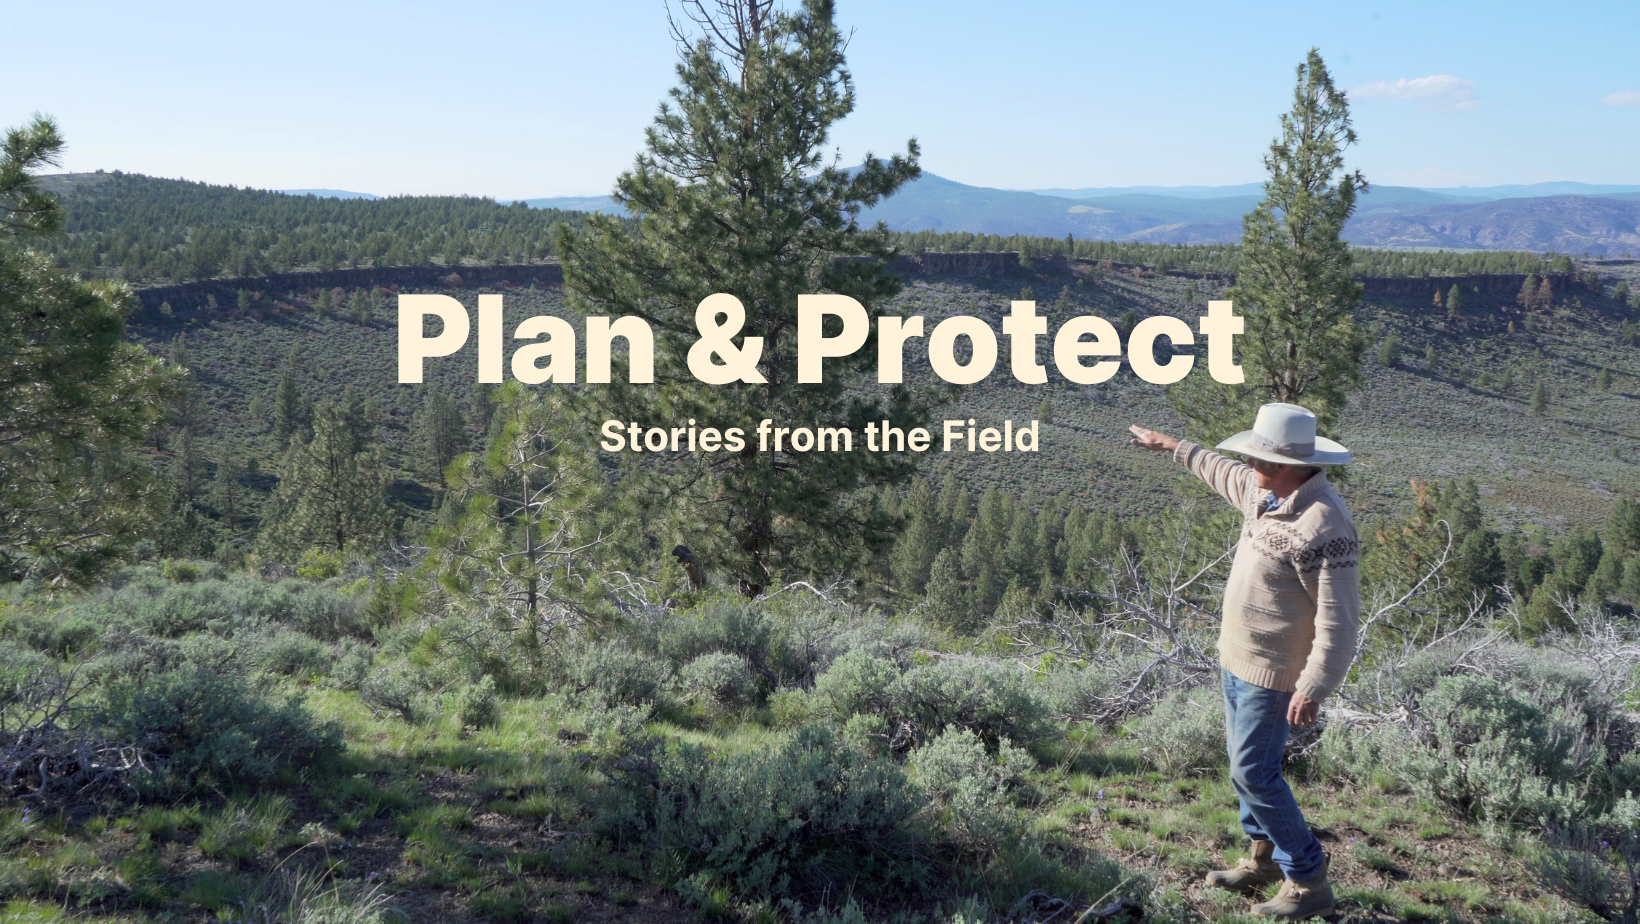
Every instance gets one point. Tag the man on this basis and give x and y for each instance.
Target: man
(1291, 607)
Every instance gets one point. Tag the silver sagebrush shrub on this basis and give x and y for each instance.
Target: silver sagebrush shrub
(719, 679)
(1184, 732)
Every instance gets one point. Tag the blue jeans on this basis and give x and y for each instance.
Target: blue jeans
(1255, 725)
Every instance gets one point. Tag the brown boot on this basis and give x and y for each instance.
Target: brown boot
(1298, 900)
(1251, 872)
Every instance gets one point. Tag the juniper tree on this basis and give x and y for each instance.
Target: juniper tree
(1293, 286)
(732, 194)
(76, 398)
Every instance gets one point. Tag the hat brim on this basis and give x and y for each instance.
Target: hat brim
(1327, 452)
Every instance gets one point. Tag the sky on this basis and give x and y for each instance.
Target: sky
(521, 100)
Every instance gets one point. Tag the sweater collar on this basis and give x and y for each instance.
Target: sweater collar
(1312, 487)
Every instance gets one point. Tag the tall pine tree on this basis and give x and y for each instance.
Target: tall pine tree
(76, 397)
(733, 195)
(1293, 286)
(332, 491)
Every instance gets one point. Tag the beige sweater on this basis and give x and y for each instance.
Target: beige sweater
(1293, 601)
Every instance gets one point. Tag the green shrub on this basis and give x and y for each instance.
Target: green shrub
(720, 627)
(1497, 758)
(1184, 732)
(1589, 862)
(476, 704)
(1360, 753)
(210, 730)
(798, 820)
(720, 679)
(293, 654)
(394, 689)
(226, 607)
(970, 790)
(351, 664)
(994, 700)
(613, 674)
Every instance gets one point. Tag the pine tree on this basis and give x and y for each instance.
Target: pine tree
(290, 414)
(324, 306)
(949, 604)
(523, 518)
(244, 302)
(443, 433)
(732, 196)
(1389, 352)
(1527, 298)
(363, 306)
(1044, 411)
(76, 397)
(1546, 294)
(228, 494)
(1429, 356)
(1539, 404)
(956, 507)
(1603, 381)
(187, 468)
(1623, 528)
(481, 406)
(1294, 285)
(331, 491)
(359, 415)
(187, 405)
(919, 541)
(1454, 303)
(984, 546)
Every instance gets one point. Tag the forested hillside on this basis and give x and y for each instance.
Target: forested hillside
(146, 229)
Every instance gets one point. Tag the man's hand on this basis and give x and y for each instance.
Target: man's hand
(1302, 711)
(1150, 439)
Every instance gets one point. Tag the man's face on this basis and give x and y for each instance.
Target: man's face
(1270, 474)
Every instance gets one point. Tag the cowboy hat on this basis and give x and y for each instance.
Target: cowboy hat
(1285, 433)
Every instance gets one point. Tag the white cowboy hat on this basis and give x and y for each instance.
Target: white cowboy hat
(1286, 433)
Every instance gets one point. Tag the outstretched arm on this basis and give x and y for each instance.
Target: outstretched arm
(1234, 481)
(1153, 440)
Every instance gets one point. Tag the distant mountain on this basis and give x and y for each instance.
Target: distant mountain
(1604, 219)
(578, 204)
(1450, 193)
(1537, 190)
(329, 193)
(1569, 224)
(1176, 192)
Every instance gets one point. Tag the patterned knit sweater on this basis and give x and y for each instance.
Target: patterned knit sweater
(1292, 602)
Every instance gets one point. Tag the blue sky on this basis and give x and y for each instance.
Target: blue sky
(539, 99)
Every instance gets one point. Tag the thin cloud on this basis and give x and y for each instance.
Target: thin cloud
(1438, 92)
(1622, 98)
